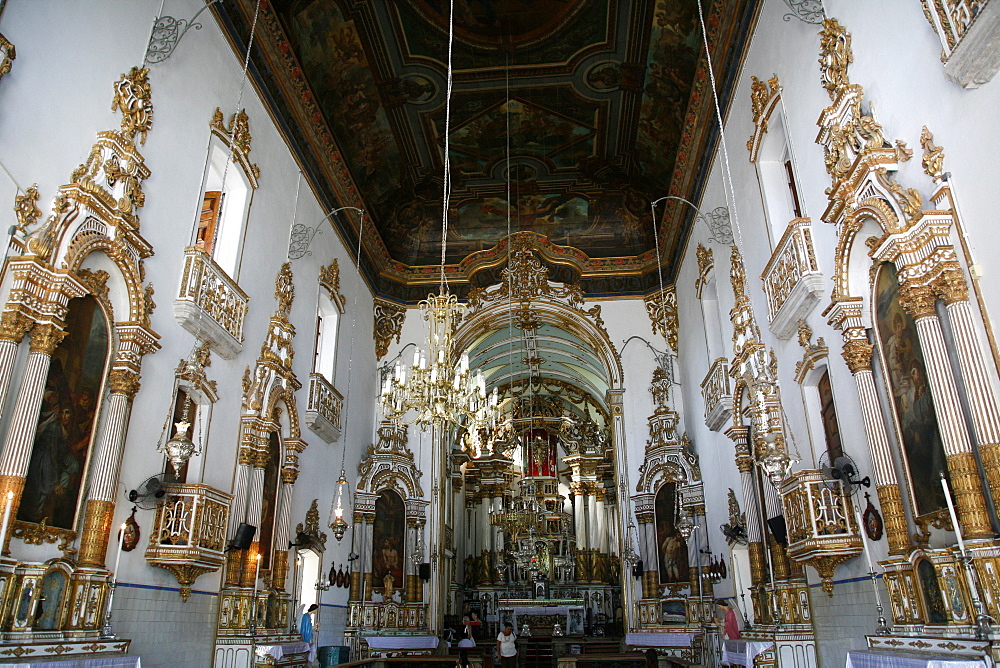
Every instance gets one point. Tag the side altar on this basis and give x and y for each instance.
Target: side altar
(541, 615)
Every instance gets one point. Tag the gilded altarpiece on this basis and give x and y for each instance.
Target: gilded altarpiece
(894, 266)
(75, 288)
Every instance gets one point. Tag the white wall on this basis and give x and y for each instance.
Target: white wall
(55, 100)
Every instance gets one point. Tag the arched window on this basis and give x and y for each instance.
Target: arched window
(327, 334)
(225, 202)
(776, 174)
(66, 424)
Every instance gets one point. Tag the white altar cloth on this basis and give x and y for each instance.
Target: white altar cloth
(743, 652)
(874, 658)
(96, 662)
(402, 642)
(282, 650)
(666, 639)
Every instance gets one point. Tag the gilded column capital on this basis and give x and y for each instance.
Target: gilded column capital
(578, 488)
(858, 355)
(261, 458)
(951, 286)
(917, 300)
(45, 338)
(289, 475)
(124, 381)
(13, 326)
(246, 456)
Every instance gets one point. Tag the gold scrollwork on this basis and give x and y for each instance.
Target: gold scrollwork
(133, 97)
(933, 158)
(25, 209)
(388, 325)
(835, 56)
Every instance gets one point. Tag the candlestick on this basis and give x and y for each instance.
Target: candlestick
(121, 542)
(864, 540)
(6, 519)
(253, 601)
(951, 511)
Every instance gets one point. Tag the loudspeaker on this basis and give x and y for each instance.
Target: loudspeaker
(243, 537)
(637, 570)
(778, 529)
(424, 571)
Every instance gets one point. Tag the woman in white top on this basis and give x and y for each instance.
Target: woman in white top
(507, 646)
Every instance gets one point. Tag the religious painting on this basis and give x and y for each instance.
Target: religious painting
(931, 592)
(540, 458)
(903, 362)
(545, 31)
(674, 612)
(66, 423)
(674, 44)
(388, 541)
(336, 66)
(671, 547)
(269, 502)
(49, 607)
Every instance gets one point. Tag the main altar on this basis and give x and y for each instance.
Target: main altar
(541, 616)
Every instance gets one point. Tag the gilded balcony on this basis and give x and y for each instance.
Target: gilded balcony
(718, 394)
(210, 304)
(793, 283)
(323, 412)
(822, 530)
(188, 537)
(967, 30)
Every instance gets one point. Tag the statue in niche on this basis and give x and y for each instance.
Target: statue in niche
(387, 587)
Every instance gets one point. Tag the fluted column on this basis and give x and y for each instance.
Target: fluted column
(360, 548)
(282, 522)
(238, 512)
(366, 564)
(644, 517)
(123, 383)
(591, 523)
(600, 521)
(919, 301)
(254, 505)
(580, 515)
(980, 394)
(13, 326)
(751, 508)
(16, 453)
(858, 355)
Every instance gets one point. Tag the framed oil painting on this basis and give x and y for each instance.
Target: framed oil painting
(670, 545)
(64, 434)
(388, 541)
(906, 379)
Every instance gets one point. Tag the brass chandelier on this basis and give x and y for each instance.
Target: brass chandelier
(439, 388)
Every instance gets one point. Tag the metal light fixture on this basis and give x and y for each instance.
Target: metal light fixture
(775, 463)
(339, 524)
(180, 448)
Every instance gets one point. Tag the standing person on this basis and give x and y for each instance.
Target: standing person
(467, 639)
(306, 629)
(730, 620)
(507, 646)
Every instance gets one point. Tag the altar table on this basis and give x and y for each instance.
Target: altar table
(283, 650)
(396, 643)
(876, 658)
(743, 652)
(666, 639)
(96, 662)
(571, 617)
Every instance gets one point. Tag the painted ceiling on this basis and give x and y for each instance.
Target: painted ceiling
(567, 118)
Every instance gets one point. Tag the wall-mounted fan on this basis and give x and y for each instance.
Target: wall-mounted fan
(735, 533)
(151, 491)
(843, 469)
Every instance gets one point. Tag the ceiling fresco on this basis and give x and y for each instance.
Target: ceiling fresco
(567, 118)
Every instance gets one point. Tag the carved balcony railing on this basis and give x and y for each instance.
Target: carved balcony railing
(793, 283)
(323, 413)
(718, 394)
(822, 531)
(210, 305)
(188, 537)
(967, 30)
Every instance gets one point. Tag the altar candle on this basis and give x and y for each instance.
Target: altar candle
(951, 511)
(864, 540)
(121, 542)
(255, 576)
(6, 519)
